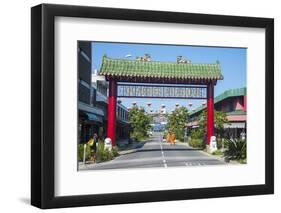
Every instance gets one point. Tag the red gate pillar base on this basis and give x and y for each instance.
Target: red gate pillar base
(111, 125)
(210, 112)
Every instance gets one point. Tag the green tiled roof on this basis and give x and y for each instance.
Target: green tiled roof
(158, 69)
(237, 112)
(231, 93)
(224, 95)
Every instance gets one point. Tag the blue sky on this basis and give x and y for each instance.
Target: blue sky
(232, 60)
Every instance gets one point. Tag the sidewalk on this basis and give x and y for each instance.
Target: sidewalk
(122, 143)
(210, 155)
(123, 148)
(130, 148)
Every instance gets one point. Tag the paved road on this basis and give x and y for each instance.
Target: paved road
(154, 153)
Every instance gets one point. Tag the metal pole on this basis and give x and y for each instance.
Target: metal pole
(84, 154)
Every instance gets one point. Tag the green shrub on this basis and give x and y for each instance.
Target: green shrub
(108, 155)
(138, 136)
(179, 133)
(221, 143)
(236, 149)
(100, 150)
(115, 151)
(197, 133)
(81, 152)
(217, 152)
(197, 143)
(104, 154)
(243, 161)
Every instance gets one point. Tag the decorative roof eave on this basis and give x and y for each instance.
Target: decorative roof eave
(160, 70)
(156, 80)
(184, 78)
(213, 77)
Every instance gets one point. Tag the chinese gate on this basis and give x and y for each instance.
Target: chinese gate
(182, 80)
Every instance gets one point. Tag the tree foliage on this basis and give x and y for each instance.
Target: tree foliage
(220, 118)
(177, 121)
(140, 122)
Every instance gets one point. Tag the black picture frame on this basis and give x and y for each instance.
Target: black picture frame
(43, 102)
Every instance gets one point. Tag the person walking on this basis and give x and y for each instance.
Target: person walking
(168, 137)
(93, 145)
(173, 138)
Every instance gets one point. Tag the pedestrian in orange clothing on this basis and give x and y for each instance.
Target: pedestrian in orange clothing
(168, 137)
(173, 138)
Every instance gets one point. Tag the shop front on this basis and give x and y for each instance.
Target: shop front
(89, 124)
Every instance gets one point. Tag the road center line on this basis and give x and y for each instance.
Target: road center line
(163, 156)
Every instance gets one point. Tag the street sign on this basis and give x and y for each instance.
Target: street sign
(157, 91)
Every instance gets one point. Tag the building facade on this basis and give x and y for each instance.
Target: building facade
(90, 117)
(234, 103)
(100, 85)
(93, 100)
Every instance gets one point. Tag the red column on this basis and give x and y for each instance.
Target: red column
(245, 103)
(210, 111)
(111, 126)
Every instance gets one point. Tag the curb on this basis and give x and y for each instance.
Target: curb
(132, 149)
(206, 153)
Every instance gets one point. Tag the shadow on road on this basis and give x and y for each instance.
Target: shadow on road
(170, 149)
(132, 146)
(149, 140)
(140, 144)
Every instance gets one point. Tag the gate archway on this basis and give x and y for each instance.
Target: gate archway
(193, 79)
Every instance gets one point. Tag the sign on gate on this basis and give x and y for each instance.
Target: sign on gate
(157, 91)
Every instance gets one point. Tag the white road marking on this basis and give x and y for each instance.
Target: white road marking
(194, 164)
(163, 156)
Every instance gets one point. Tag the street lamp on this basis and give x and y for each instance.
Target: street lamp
(203, 103)
(119, 101)
(148, 105)
(134, 103)
(190, 104)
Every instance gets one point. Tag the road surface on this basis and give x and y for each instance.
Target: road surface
(155, 153)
